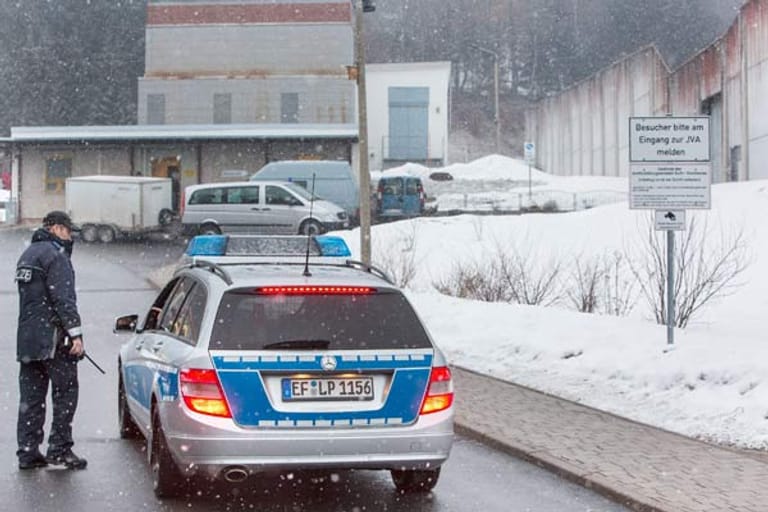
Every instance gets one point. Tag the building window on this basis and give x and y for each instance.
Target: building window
(57, 169)
(222, 108)
(289, 107)
(155, 108)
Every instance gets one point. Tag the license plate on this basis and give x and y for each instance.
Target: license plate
(328, 388)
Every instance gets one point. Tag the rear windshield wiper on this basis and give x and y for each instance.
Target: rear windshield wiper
(299, 345)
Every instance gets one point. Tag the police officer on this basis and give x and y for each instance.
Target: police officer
(49, 344)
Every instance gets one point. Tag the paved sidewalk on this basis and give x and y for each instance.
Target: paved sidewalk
(643, 467)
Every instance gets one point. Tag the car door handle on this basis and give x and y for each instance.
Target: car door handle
(256, 209)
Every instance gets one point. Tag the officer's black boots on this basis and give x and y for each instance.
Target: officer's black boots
(67, 459)
(33, 461)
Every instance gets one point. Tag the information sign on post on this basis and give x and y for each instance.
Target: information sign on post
(669, 171)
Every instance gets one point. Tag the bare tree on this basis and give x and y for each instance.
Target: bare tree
(530, 280)
(400, 264)
(586, 278)
(704, 269)
(620, 288)
(475, 281)
(508, 276)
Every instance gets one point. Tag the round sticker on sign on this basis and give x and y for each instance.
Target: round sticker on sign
(530, 152)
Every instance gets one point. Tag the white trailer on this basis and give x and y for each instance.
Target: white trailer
(106, 207)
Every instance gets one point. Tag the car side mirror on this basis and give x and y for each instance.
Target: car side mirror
(125, 324)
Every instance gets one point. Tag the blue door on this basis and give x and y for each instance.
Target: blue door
(408, 123)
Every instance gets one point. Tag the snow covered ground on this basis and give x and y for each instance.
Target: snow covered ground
(713, 385)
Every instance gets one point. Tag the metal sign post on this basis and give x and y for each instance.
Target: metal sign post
(669, 171)
(670, 287)
(530, 159)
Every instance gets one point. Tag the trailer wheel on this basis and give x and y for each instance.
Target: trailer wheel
(89, 233)
(106, 234)
(166, 217)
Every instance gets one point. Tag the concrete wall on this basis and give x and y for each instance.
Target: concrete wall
(250, 50)
(35, 201)
(322, 99)
(585, 129)
(380, 77)
(226, 38)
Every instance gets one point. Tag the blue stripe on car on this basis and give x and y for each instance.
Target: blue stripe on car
(241, 380)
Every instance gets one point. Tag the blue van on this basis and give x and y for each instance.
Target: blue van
(334, 181)
(399, 196)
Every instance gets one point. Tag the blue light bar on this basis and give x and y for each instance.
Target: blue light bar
(207, 245)
(266, 246)
(333, 246)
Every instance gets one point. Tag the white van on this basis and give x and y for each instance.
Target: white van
(334, 180)
(266, 207)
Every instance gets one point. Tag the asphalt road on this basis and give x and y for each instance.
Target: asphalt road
(110, 282)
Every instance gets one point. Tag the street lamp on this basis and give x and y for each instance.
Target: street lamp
(361, 6)
(496, 120)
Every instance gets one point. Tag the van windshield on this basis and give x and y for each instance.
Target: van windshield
(300, 191)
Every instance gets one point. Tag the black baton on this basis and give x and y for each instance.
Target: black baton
(94, 363)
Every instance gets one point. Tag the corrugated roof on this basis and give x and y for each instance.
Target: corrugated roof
(183, 132)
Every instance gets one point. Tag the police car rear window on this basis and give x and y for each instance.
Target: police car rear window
(248, 320)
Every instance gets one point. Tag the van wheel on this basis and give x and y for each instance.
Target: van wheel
(89, 233)
(310, 227)
(106, 234)
(209, 229)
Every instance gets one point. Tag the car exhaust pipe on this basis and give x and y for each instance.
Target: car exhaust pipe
(235, 474)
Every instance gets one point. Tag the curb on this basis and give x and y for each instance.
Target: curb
(563, 469)
(559, 468)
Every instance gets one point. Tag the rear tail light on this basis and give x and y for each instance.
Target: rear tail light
(380, 192)
(202, 392)
(440, 392)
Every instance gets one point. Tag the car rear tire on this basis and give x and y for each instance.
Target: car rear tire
(166, 479)
(209, 229)
(310, 227)
(128, 429)
(415, 481)
(106, 234)
(89, 233)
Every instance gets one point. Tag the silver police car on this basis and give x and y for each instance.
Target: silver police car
(280, 354)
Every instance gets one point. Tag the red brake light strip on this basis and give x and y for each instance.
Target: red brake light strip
(315, 290)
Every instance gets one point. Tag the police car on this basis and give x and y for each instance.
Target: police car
(279, 354)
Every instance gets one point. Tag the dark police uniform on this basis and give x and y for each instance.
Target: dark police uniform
(48, 316)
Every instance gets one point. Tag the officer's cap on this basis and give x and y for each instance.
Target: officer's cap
(60, 218)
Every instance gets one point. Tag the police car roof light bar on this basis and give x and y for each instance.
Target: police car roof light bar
(250, 245)
(208, 245)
